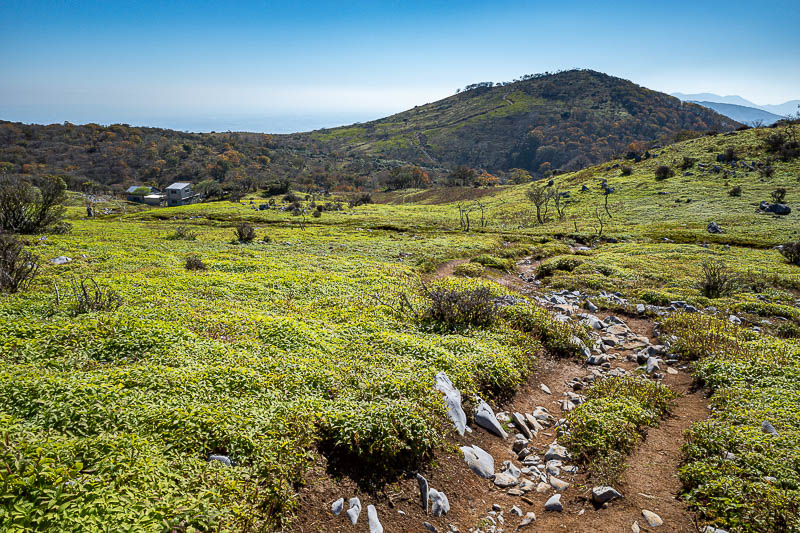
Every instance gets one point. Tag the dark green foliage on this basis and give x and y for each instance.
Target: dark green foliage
(663, 172)
(245, 232)
(18, 267)
(455, 308)
(193, 262)
(735, 192)
(28, 209)
(182, 233)
(728, 155)
(562, 339)
(88, 296)
(687, 163)
(778, 195)
(362, 199)
(626, 170)
(717, 280)
(562, 263)
(492, 261)
(791, 251)
(786, 147)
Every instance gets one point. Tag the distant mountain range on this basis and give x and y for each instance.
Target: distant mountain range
(744, 114)
(787, 108)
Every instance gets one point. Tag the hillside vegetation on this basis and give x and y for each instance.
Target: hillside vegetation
(567, 121)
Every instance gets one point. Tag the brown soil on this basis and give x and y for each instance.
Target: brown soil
(649, 482)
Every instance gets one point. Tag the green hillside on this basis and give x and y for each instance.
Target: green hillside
(567, 120)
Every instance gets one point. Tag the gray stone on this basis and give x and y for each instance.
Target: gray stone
(452, 399)
(554, 503)
(519, 422)
(337, 506)
(652, 365)
(504, 480)
(430, 527)
(713, 227)
(652, 519)
(511, 469)
(481, 462)
(519, 445)
(516, 510)
(778, 209)
(423, 491)
(374, 524)
(640, 309)
(768, 428)
(60, 260)
(558, 484)
(529, 519)
(484, 417)
(601, 495)
(555, 451)
(224, 459)
(439, 503)
(591, 307)
(354, 510)
(545, 388)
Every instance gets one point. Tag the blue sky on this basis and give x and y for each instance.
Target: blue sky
(283, 66)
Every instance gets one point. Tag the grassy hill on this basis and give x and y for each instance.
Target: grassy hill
(568, 120)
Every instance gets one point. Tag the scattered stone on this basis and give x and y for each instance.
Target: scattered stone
(671, 370)
(530, 518)
(519, 422)
(224, 459)
(484, 417)
(337, 506)
(543, 487)
(545, 388)
(768, 428)
(430, 527)
(60, 260)
(558, 484)
(554, 451)
(516, 510)
(554, 503)
(374, 524)
(440, 505)
(653, 520)
(514, 492)
(423, 491)
(354, 510)
(527, 500)
(452, 399)
(713, 227)
(640, 309)
(481, 462)
(504, 480)
(601, 495)
(652, 365)
(635, 527)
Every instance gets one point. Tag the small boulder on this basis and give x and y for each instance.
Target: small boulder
(372, 516)
(423, 491)
(554, 503)
(60, 260)
(768, 428)
(601, 495)
(652, 519)
(484, 417)
(224, 459)
(354, 510)
(480, 461)
(337, 506)
(713, 227)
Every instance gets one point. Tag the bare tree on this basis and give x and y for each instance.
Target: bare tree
(540, 197)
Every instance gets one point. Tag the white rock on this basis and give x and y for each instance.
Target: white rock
(653, 520)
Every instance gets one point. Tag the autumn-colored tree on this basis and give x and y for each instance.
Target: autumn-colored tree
(408, 176)
(484, 179)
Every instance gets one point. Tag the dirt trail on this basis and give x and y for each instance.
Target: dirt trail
(649, 482)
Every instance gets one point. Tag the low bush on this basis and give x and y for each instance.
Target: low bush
(735, 192)
(562, 339)
(778, 195)
(89, 296)
(491, 261)
(563, 263)
(245, 232)
(687, 163)
(663, 172)
(182, 233)
(791, 251)
(727, 156)
(607, 426)
(549, 249)
(450, 308)
(28, 209)
(626, 170)
(193, 262)
(18, 267)
(717, 280)
(469, 270)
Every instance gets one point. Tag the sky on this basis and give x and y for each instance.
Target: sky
(300, 65)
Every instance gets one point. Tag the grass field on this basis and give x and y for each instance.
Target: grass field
(281, 349)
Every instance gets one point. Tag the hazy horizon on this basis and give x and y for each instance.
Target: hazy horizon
(263, 66)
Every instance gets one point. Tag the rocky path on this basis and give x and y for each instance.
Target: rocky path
(530, 472)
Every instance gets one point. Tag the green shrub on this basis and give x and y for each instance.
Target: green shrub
(18, 267)
(717, 280)
(469, 270)
(549, 249)
(563, 339)
(562, 263)
(491, 261)
(451, 308)
(245, 232)
(182, 233)
(663, 172)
